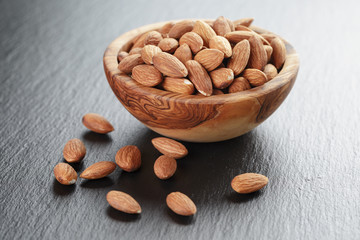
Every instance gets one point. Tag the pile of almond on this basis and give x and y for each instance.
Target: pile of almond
(204, 57)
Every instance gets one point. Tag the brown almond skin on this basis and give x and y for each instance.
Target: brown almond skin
(148, 52)
(269, 51)
(258, 55)
(255, 77)
(222, 77)
(268, 36)
(244, 21)
(128, 158)
(279, 52)
(65, 174)
(270, 71)
(239, 84)
(165, 167)
(169, 147)
(204, 30)
(180, 204)
(209, 58)
(123, 202)
(121, 55)
(217, 92)
(147, 75)
(135, 51)
(240, 57)
(97, 123)
(153, 38)
(221, 26)
(237, 36)
(139, 41)
(169, 65)
(199, 77)
(183, 53)
(242, 28)
(180, 28)
(74, 150)
(178, 85)
(98, 170)
(222, 44)
(164, 30)
(128, 63)
(168, 45)
(194, 41)
(249, 182)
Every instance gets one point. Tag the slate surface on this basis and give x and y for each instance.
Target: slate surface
(52, 74)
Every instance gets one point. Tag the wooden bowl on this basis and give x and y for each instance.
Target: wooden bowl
(197, 118)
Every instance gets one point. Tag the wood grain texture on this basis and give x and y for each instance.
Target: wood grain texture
(52, 74)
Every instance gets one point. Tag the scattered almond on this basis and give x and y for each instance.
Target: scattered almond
(128, 63)
(169, 147)
(270, 71)
(165, 167)
(148, 52)
(204, 30)
(249, 182)
(279, 52)
(98, 170)
(123, 202)
(183, 53)
(221, 26)
(180, 204)
(168, 45)
(180, 28)
(255, 77)
(222, 77)
(240, 57)
(239, 84)
(128, 158)
(192, 39)
(97, 123)
(199, 77)
(178, 85)
(65, 174)
(222, 44)
(153, 38)
(74, 150)
(258, 55)
(169, 65)
(209, 58)
(147, 75)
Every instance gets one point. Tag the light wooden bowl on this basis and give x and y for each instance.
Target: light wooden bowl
(197, 118)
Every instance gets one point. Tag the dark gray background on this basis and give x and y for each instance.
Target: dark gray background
(52, 74)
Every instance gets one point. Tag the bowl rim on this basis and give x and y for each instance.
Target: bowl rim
(285, 76)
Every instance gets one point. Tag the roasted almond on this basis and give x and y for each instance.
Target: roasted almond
(121, 55)
(279, 52)
(97, 123)
(269, 51)
(135, 51)
(98, 170)
(169, 65)
(244, 21)
(209, 58)
(222, 44)
(249, 182)
(270, 71)
(148, 52)
(128, 63)
(199, 77)
(204, 30)
(239, 84)
(123, 202)
(168, 45)
(74, 150)
(192, 39)
(180, 28)
(255, 77)
(153, 38)
(164, 30)
(240, 57)
(178, 85)
(237, 36)
(165, 167)
(222, 77)
(128, 158)
(65, 174)
(183, 53)
(258, 55)
(169, 147)
(147, 75)
(180, 204)
(221, 26)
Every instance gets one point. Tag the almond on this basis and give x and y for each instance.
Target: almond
(237, 36)
(270, 71)
(239, 84)
(279, 52)
(98, 170)
(74, 150)
(139, 41)
(180, 28)
(123, 202)
(249, 182)
(192, 39)
(268, 36)
(240, 57)
(97, 123)
(178, 85)
(148, 52)
(168, 45)
(221, 26)
(231, 24)
(183, 53)
(180, 204)
(153, 38)
(65, 174)
(258, 55)
(255, 77)
(204, 30)
(243, 21)
(222, 44)
(209, 58)
(242, 28)
(165, 167)
(269, 51)
(128, 63)
(169, 147)
(169, 65)
(147, 75)
(222, 77)
(217, 92)
(164, 30)
(199, 77)
(121, 55)
(135, 51)
(128, 158)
